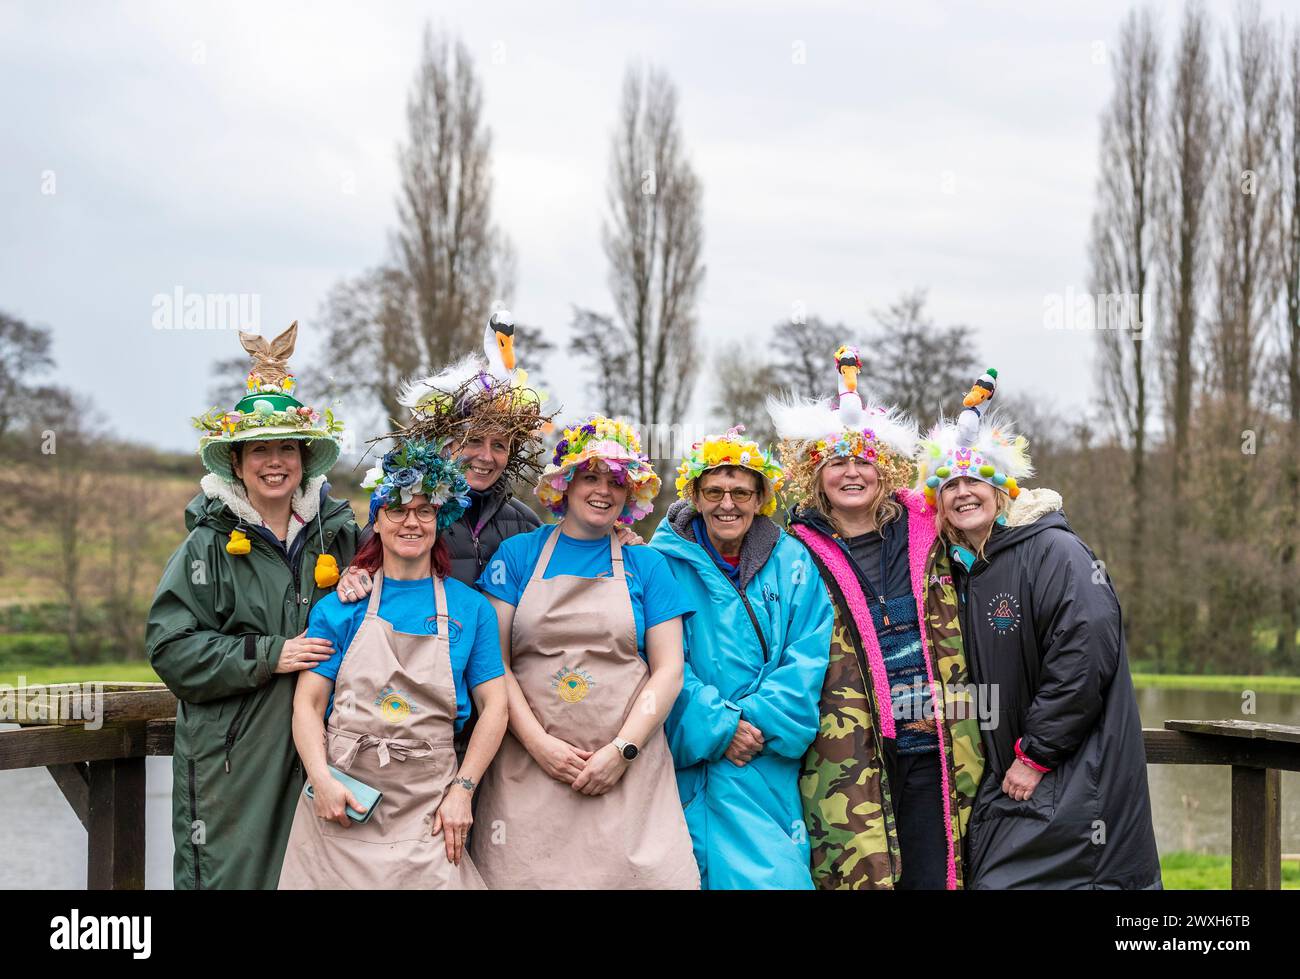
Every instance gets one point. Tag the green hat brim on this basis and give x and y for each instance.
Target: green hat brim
(215, 450)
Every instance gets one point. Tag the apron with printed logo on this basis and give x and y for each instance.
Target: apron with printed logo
(392, 728)
(573, 651)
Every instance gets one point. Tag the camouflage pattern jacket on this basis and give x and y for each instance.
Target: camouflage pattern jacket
(845, 777)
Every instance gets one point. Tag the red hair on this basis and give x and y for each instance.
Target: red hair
(370, 556)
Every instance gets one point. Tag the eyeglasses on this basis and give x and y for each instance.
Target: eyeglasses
(714, 494)
(425, 513)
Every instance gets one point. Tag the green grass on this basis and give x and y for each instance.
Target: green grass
(138, 671)
(1202, 872)
(1220, 682)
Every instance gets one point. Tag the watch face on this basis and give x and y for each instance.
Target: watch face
(629, 751)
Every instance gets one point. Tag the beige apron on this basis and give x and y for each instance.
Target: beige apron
(394, 734)
(573, 651)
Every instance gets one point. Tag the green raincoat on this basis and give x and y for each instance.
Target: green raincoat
(215, 632)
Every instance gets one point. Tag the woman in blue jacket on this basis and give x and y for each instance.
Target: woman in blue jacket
(756, 655)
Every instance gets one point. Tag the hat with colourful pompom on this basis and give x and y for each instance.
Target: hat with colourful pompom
(600, 442)
(980, 444)
(715, 451)
(268, 410)
(814, 432)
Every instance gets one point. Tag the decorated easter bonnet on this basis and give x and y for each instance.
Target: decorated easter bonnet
(419, 467)
(850, 424)
(731, 450)
(981, 444)
(483, 393)
(608, 442)
(269, 410)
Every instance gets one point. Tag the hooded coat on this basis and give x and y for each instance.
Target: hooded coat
(1042, 627)
(848, 771)
(214, 636)
(756, 649)
(472, 542)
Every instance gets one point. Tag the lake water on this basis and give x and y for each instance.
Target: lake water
(44, 845)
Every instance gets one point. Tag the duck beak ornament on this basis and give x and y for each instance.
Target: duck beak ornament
(503, 333)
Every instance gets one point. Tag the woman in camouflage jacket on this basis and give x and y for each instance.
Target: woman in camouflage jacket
(887, 791)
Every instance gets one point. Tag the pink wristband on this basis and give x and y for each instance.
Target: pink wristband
(1029, 761)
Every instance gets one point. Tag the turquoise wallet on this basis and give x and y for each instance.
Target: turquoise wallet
(363, 793)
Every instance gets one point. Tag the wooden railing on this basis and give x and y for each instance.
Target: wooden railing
(101, 772)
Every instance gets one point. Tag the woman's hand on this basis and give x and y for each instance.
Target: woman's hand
(559, 759)
(627, 536)
(453, 819)
(745, 744)
(331, 800)
(1020, 781)
(353, 586)
(604, 768)
(301, 653)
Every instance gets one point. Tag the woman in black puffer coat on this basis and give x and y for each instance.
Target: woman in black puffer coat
(1063, 802)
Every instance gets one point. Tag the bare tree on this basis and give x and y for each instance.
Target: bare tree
(1247, 214)
(917, 365)
(653, 238)
(1288, 156)
(604, 344)
(803, 350)
(426, 305)
(1123, 243)
(744, 384)
(24, 356)
(1186, 168)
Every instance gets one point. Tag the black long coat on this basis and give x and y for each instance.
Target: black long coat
(1042, 624)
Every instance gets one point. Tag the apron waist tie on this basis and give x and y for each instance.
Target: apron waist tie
(386, 748)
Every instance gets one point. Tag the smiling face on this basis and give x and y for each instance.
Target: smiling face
(595, 499)
(407, 538)
(727, 520)
(270, 469)
(485, 454)
(969, 506)
(852, 485)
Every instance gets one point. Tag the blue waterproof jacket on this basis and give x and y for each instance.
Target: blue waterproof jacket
(765, 663)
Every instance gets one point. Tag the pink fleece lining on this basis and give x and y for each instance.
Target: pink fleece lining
(920, 538)
(835, 560)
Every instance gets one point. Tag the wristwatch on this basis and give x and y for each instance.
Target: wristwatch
(626, 748)
(467, 783)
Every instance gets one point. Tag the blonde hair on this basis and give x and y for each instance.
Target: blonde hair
(954, 536)
(884, 508)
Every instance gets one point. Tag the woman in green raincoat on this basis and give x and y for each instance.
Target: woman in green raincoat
(226, 630)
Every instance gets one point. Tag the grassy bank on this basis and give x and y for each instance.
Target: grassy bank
(137, 671)
(1218, 682)
(1202, 872)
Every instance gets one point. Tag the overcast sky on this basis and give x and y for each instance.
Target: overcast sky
(250, 148)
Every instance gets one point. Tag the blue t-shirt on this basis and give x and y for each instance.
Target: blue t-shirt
(408, 606)
(655, 595)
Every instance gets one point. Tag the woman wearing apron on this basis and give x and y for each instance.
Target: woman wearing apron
(582, 793)
(395, 698)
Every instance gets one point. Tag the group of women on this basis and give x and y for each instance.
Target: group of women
(919, 682)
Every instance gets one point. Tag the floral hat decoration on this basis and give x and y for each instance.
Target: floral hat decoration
(268, 410)
(600, 441)
(813, 432)
(731, 450)
(483, 392)
(981, 444)
(419, 467)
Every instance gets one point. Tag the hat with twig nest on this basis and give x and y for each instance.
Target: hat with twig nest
(484, 393)
(268, 410)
